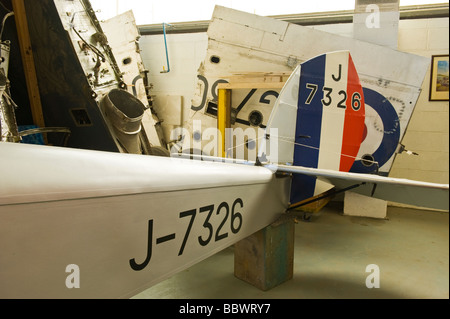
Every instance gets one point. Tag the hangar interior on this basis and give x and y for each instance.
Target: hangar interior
(422, 35)
(176, 72)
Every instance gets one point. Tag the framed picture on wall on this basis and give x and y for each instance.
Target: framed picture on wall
(439, 78)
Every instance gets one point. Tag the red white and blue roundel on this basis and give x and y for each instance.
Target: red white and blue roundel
(330, 119)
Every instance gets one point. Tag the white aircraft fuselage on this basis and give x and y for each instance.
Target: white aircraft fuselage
(68, 231)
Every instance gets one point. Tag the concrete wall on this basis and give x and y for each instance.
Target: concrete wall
(428, 131)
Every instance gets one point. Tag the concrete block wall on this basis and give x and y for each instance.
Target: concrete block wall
(427, 133)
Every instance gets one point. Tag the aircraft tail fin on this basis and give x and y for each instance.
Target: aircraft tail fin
(317, 121)
(315, 132)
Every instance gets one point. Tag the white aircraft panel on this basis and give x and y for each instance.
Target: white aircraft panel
(106, 237)
(395, 75)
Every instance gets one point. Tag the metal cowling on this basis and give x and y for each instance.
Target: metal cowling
(124, 112)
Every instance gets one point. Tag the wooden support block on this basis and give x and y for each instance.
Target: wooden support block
(255, 80)
(315, 204)
(257, 77)
(251, 85)
(266, 258)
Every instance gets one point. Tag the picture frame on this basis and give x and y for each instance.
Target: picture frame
(439, 78)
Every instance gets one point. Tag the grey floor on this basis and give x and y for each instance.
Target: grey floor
(332, 251)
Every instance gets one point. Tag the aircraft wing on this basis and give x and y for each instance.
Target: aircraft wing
(405, 191)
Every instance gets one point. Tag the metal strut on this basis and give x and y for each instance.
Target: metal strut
(324, 196)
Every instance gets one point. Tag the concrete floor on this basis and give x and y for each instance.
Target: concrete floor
(410, 247)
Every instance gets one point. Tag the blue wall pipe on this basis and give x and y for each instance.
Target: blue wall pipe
(167, 53)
